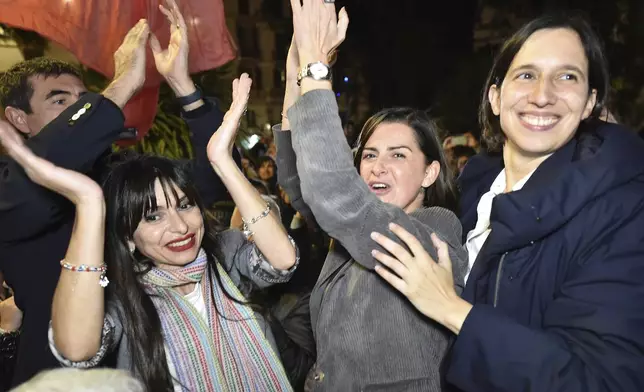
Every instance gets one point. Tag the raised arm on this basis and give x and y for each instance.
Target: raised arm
(202, 115)
(203, 122)
(77, 314)
(267, 231)
(286, 161)
(341, 201)
(74, 140)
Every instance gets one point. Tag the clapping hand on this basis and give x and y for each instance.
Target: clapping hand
(172, 62)
(73, 185)
(221, 143)
(129, 58)
(129, 65)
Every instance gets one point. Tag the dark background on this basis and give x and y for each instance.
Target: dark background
(428, 54)
(436, 54)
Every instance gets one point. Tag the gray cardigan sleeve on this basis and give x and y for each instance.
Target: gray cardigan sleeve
(287, 175)
(341, 201)
(242, 258)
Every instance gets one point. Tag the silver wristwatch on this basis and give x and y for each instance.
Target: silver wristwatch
(317, 71)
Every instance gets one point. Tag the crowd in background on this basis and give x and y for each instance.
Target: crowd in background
(323, 259)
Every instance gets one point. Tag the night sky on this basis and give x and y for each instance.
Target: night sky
(421, 53)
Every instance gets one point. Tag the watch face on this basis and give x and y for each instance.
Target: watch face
(319, 71)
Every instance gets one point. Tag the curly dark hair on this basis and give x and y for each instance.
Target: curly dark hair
(15, 84)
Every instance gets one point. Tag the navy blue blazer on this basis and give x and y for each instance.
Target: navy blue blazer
(558, 288)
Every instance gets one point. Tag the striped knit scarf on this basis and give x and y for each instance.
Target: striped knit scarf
(221, 353)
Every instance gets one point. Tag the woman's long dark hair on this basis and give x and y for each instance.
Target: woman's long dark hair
(443, 192)
(130, 194)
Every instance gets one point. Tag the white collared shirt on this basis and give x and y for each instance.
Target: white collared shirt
(477, 237)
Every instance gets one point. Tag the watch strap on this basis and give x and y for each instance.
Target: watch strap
(191, 98)
(302, 74)
(305, 72)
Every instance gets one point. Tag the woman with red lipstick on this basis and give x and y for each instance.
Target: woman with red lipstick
(368, 337)
(175, 312)
(554, 221)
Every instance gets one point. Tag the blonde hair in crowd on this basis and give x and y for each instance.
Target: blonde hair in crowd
(75, 380)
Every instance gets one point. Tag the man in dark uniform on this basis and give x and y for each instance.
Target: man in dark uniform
(71, 127)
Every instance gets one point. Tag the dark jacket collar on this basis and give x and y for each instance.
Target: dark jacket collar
(592, 164)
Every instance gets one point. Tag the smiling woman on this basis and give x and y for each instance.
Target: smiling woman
(544, 96)
(367, 336)
(399, 156)
(547, 62)
(554, 300)
(171, 228)
(157, 235)
(175, 311)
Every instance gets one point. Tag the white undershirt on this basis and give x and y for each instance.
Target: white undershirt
(195, 298)
(476, 238)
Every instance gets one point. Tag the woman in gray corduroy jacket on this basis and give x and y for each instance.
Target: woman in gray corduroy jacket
(368, 336)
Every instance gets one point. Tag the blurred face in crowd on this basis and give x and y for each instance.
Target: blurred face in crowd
(51, 96)
(171, 234)
(460, 163)
(395, 168)
(272, 150)
(266, 170)
(545, 93)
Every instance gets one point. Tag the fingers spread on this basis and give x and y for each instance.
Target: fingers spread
(168, 14)
(443, 252)
(392, 279)
(329, 9)
(392, 247)
(412, 242)
(393, 264)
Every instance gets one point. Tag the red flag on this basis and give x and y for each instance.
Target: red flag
(92, 30)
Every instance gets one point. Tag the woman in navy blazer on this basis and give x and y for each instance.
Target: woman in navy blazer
(554, 225)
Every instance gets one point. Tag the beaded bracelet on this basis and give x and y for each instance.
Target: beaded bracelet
(88, 268)
(246, 229)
